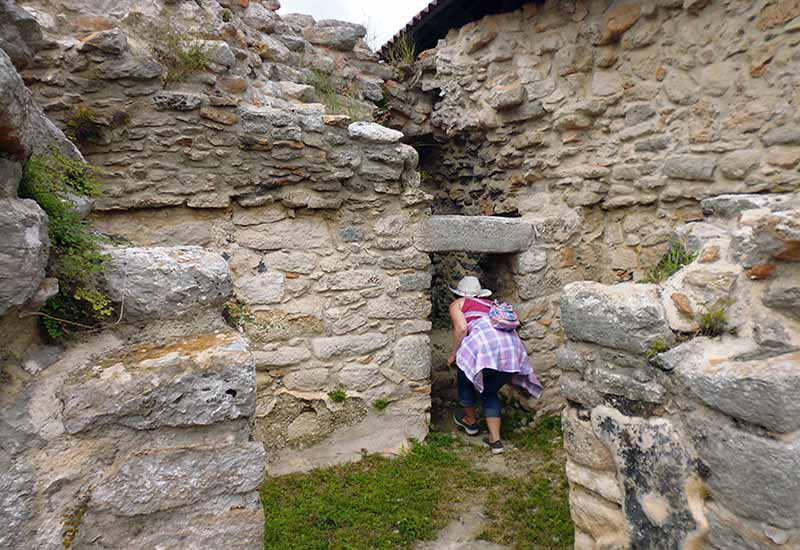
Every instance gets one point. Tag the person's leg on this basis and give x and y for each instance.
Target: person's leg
(468, 398)
(492, 408)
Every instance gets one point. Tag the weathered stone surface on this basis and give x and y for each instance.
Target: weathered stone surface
(112, 42)
(771, 235)
(473, 234)
(134, 68)
(195, 382)
(785, 135)
(690, 167)
(412, 357)
(655, 469)
(281, 357)
(161, 283)
(259, 17)
(325, 348)
(730, 206)
(783, 293)
(23, 251)
(602, 483)
(20, 34)
(339, 35)
(762, 392)
(10, 176)
(369, 131)
(262, 288)
(302, 233)
(406, 306)
(627, 316)
(507, 96)
(180, 101)
(25, 128)
(748, 472)
(156, 480)
(581, 443)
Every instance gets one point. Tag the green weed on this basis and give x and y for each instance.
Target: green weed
(676, 257)
(714, 322)
(338, 100)
(84, 127)
(227, 15)
(237, 315)
(75, 256)
(380, 404)
(657, 347)
(338, 396)
(402, 53)
(180, 53)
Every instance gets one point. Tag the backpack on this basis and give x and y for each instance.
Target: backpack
(503, 317)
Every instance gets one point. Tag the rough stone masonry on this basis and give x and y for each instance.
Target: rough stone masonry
(258, 183)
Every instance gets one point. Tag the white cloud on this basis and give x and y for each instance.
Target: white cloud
(382, 18)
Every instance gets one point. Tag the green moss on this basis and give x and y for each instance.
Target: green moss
(75, 255)
(338, 396)
(83, 127)
(657, 347)
(227, 15)
(72, 524)
(676, 257)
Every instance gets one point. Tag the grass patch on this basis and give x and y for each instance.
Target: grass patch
(382, 504)
(714, 322)
(676, 257)
(339, 100)
(75, 256)
(180, 53)
(338, 396)
(376, 504)
(402, 53)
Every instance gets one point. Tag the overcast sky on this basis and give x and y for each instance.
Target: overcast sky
(382, 18)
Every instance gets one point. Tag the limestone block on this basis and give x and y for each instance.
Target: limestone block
(134, 68)
(261, 288)
(20, 34)
(575, 389)
(620, 18)
(507, 96)
(10, 176)
(259, 17)
(360, 377)
(485, 234)
(237, 520)
(608, 380)
(603, 483)
(217, 51)
(325, 348)
(773, 234)
(627, 316)
(24, 251)
(581, 443)
(306, 379)
(739, 164)
(301, 233)
(530, 261)
(26, 129)
(765, 392)
(195, 382)
(112, 42)
(17, 505)
(680, 88)
(730, 206)
(570, 359)
(339, 35)
(595, 515)
(281, 357)
(655, 469)
(407, 306)
(153, 480)
(372, 132)
(783, 292)
(783, 135)
(749, 472)
(161, 282)
(412, 357)
(690, 167)
(356, 279)
(179, 101)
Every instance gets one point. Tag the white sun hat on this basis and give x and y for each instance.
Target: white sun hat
(471, 286)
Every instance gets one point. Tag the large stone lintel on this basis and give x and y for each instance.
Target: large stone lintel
(486, 234)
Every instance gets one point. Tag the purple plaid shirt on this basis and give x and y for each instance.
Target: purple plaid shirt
(485, 347)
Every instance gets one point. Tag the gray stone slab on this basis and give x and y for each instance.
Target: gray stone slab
(486, 234)
(24, 249)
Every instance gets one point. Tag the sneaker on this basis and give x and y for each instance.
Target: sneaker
(496, 447)
(471, 429)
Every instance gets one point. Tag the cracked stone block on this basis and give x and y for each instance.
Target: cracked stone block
(484, 234)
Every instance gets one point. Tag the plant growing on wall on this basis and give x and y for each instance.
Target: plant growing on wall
(179, 52)
(75, 256)
(676, 257)
(402, 53)
(84, 127)
(714, 322)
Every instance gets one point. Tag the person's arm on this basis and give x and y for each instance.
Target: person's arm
(459, 328)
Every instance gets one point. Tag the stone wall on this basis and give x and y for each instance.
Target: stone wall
(695, 446)
(313, 210)
(602, 124)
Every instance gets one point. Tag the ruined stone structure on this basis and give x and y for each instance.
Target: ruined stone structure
(570, 140)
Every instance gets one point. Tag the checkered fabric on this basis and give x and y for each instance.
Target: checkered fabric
(485, 347)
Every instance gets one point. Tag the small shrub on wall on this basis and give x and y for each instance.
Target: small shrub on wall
(75, 256)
